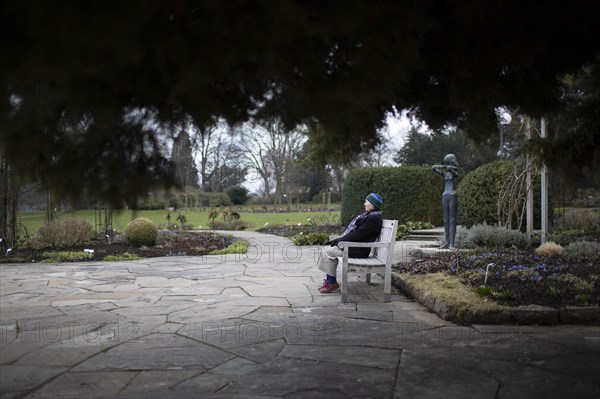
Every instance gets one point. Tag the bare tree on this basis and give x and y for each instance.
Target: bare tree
(211, 146)
(270, 150)
(512, 199)
(222, 161)
(182, 157)
(380, 155)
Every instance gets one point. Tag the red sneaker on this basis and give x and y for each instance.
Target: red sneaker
(325, 283)
(329, 288)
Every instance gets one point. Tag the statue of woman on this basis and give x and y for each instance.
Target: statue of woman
(449, 170)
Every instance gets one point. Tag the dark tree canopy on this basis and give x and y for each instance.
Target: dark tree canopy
(425, 149)
(82, 82)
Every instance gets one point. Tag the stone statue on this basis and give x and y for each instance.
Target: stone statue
(449, 170)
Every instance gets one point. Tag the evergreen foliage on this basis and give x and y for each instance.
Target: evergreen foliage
(589, 250)
(409, 193)
(126, 256)
(64, 256)
(141, 231)
(215, 200)
(237, 247)
(88, 88)
(219, 179)
(183, 160)
(479, 192)
(238, 195)
(311, 238)
(429, 149)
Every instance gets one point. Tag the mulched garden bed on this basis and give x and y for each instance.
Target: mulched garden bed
(518, 277)
(171, 244)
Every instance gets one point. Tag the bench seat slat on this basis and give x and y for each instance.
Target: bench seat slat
(366, 261)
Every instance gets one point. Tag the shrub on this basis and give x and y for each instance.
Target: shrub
(324, 220)
(482, 235)
(507, 295)
(215, 199)
(324, 196)
(119, 239)
(141, 231)
(584, 299)
(479, 191)
(310, 239)
(64, 256)
(588, 250)
(484, 291)
(555, 292)
(150, 203)
(65, 232)
(238, 195)
(405, 228)
(409, 193)
(238, 247)
(579, 219)
(575, 282)
(236, 225)
(549, 249)
(463, 238)
(124, 257)
(166, 235)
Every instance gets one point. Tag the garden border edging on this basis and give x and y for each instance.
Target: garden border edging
(500, 314)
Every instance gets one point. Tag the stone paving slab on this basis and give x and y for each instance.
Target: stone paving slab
(255, 326)
(300, 378)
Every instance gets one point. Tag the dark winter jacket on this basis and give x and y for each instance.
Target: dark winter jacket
(367, 230)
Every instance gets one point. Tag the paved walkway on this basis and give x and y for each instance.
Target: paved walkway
(255, 326)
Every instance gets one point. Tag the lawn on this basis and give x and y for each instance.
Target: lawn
(195, 219)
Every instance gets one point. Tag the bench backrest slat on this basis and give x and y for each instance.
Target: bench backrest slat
(388, 233)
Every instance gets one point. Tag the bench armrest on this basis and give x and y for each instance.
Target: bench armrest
(352, 244)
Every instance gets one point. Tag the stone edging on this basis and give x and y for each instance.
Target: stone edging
(532, 314)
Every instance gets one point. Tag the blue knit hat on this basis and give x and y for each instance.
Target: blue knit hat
(375, 200)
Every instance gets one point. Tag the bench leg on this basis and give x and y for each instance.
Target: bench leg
(387, 284)
(368, 279)
(344, 282)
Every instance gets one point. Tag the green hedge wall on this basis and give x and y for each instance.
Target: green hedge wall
(410, 193)
(478, 194)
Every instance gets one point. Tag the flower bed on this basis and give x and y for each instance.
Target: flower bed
(518, 277)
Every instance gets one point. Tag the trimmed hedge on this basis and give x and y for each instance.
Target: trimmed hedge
(141, 231)
(409, 193)
(478, 194)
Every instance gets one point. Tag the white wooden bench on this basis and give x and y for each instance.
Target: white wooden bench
(379, 260)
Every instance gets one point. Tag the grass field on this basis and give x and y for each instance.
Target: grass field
(32, 221)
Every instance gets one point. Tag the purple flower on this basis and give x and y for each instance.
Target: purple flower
(536, 277)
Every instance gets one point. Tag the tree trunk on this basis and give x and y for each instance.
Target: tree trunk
(9, 194)
(3, 198)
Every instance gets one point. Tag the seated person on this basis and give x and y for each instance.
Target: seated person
(365, 227)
